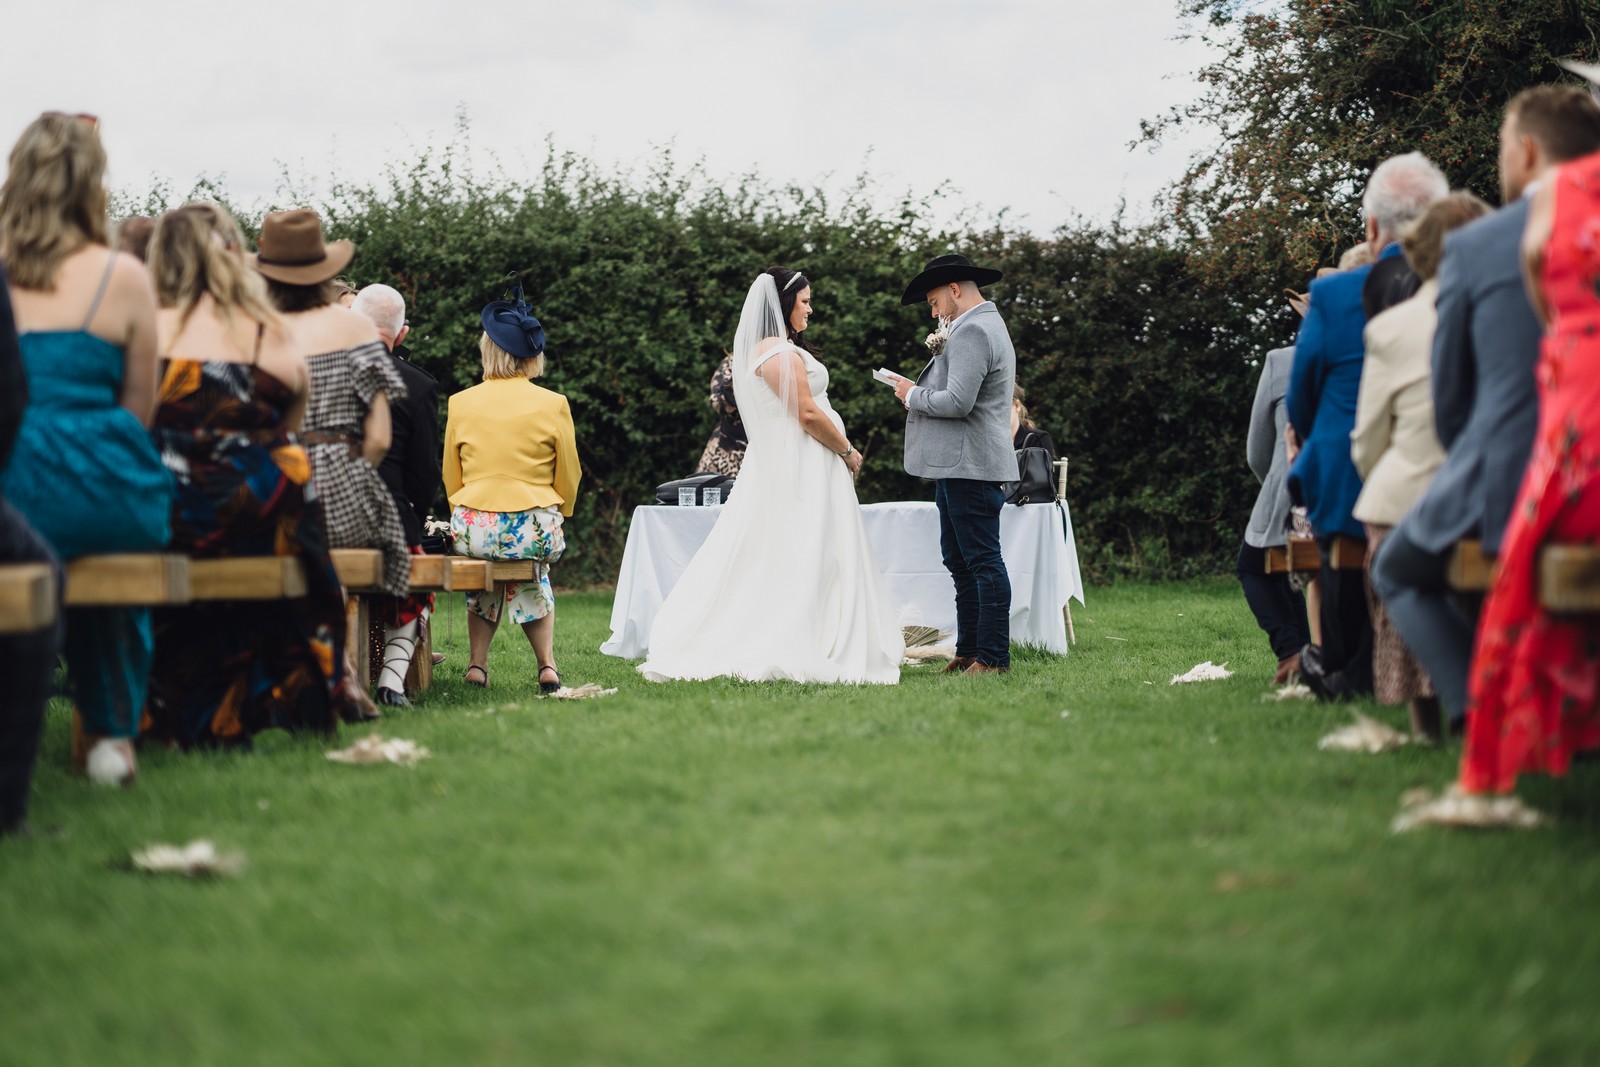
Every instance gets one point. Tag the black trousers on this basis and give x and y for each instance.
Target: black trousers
(1279, 608)
(27, 665)
(1346, 623)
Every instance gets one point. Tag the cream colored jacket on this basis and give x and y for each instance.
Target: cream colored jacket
(1394, 445)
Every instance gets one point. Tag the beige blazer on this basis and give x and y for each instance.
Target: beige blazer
(1394, 445)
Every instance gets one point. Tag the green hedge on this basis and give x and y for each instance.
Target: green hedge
(1142, 375)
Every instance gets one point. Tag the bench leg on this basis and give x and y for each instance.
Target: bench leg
(358, 646)
(419, 679)
(1066, 610)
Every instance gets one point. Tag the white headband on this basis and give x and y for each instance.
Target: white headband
(792, 280)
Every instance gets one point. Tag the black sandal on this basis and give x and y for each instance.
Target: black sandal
(481, 670)
(546, 688)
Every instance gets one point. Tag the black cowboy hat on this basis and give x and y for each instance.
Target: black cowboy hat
(943, 271)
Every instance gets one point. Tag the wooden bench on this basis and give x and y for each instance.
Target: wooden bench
(360, 571)
(1470, 571)
(1569, 579)
(1300, 554)
(164, 580)
(27, 598)
(1569, 575)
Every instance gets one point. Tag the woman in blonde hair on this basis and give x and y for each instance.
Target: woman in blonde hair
(84, 471)
(232, 396)
(511, 473)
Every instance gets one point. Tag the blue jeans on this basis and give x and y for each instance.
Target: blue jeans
(969, 538)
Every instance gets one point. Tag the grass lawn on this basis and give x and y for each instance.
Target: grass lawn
(1075, 864)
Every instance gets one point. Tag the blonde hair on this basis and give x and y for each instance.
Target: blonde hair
(498, 363)
(1356, 256)
(1019, 399)
(53, 201)
(198, 249)
(1423, 242)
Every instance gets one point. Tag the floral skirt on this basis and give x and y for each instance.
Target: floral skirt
(1397, 676)
(534, 535)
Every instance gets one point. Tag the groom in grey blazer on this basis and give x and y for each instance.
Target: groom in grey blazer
(958, 432)
(1485, 398)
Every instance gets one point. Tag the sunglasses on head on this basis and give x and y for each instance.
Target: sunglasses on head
(93, 121)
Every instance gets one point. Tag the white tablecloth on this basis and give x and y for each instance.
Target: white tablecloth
(1035, 539)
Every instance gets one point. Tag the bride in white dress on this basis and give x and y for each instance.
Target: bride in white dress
(785, 586)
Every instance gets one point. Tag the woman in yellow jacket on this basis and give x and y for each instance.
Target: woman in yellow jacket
(511, 472)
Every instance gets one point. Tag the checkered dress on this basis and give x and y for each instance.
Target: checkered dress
(359, 508)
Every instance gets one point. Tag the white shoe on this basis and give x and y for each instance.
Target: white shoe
(111, 762)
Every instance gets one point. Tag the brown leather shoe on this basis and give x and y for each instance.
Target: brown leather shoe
(958, 665)
(979, 667)
(1288, 670)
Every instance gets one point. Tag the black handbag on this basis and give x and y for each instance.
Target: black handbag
(1036, 483)
(667, 492)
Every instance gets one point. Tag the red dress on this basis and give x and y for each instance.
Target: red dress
(1535, 676)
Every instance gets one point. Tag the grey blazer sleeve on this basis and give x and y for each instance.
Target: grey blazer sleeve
(1262, 437)
(1454, 376)
(968, 355)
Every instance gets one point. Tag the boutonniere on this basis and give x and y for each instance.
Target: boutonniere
(936, 340)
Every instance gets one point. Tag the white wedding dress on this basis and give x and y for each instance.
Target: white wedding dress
(785, 587)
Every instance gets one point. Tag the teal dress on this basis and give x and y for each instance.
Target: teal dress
(88, 478)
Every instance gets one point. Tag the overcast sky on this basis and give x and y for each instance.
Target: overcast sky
(1026, 105)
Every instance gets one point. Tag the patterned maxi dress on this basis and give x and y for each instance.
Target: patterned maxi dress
(226, 670)
(1536, 677)
(724, 452)
(359, 508)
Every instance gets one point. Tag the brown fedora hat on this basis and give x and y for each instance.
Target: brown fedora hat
(293, 250)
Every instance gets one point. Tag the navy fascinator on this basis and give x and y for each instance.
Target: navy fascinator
(511, 325)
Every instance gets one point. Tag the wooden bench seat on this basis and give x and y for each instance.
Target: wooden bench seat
(247, 578)
(1569, 579)
(361, 572)
(1300, 554)
(146, 579)
(1470, 570)
(27, 597)
(1569, 575)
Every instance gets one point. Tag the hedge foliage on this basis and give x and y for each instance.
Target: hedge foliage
(1142, 374)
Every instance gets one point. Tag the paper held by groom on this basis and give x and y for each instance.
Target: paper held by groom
(958, 434)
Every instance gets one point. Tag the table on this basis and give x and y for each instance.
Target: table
(1035, 539)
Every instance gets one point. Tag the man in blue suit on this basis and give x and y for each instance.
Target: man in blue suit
(1485, 398)
(1323, 386)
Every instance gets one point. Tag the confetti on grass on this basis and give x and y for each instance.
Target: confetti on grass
(1462, 811)
(1366, 734)
(1292, 691)
(583, 692)
(1203, 672)
(197, 859)
(374, 748)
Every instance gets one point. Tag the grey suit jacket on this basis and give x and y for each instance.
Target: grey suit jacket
(959, 419)
(1485, 398)
(1268, 455)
